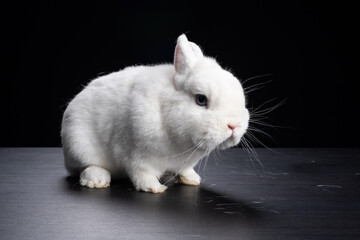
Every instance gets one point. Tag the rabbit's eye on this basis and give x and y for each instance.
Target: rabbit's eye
(201, 100)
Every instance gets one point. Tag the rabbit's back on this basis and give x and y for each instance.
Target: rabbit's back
(101, 123)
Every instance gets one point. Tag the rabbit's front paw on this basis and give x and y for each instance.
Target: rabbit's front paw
(157, 189)
(146, 182)
(189, 177)
(153, 187)
(95, 177)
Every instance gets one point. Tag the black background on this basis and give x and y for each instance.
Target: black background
(49, 51)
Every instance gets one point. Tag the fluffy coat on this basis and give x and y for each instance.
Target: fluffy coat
(144, 121)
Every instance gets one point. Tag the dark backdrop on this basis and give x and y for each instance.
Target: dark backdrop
(50, 50)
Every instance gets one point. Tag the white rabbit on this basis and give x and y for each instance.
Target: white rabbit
(144, 121)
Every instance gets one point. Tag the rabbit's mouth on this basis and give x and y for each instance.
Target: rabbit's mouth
(208, 144)
(231, 141)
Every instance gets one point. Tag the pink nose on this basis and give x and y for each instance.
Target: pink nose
(231, 127)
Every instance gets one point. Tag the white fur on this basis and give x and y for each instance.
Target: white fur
(143, 121)
(94, 176)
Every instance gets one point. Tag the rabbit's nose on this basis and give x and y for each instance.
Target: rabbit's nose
(231, 127)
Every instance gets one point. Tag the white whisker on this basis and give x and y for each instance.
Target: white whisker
(186, 162)
(255, 87)
(250, 152)
(254, 153)
(258, 112)
(258, 76)
(179, 154)
(261, 132)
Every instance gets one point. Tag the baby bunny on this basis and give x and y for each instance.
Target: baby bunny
(144, 121)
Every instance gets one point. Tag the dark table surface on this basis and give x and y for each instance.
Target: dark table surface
(297, 194)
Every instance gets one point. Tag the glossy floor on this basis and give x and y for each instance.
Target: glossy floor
(297, 194)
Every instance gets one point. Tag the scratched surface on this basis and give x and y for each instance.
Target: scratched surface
(296, 194)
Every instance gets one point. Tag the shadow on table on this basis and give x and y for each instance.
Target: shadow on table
(198, 203)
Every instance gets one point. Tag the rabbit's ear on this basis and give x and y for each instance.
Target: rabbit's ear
(187, 54)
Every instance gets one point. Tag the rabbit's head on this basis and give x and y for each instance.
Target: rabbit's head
(208, 108)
